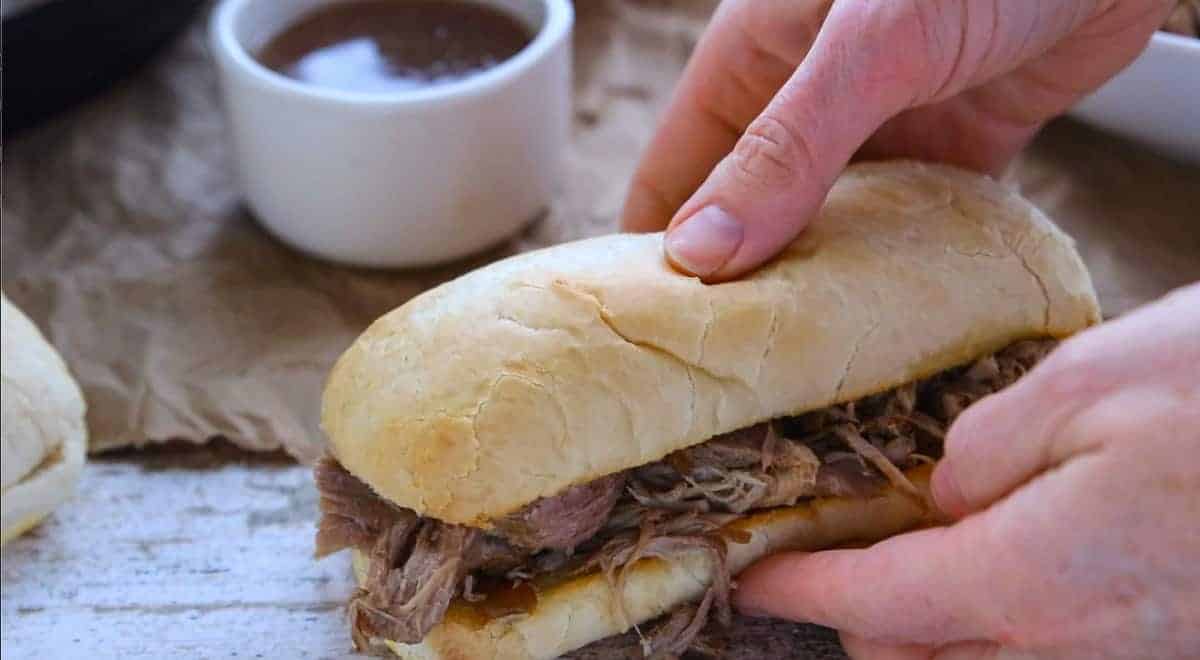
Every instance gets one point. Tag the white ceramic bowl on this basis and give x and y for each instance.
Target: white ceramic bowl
(1156, 100)
(400, 178)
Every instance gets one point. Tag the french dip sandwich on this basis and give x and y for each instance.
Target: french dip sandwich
(576, 449)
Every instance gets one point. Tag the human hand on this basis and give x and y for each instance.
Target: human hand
(1078, 496)
(773, 104)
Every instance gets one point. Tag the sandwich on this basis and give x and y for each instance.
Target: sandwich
(44, 435)
(580, 445)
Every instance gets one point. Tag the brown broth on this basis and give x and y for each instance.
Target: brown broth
(391, 45)
(500, 598)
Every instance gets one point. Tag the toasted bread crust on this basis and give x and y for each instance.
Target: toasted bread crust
(560, 366)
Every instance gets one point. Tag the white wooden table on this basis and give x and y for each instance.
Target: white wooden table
(193, 553)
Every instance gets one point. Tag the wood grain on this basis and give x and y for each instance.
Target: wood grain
(178, 553)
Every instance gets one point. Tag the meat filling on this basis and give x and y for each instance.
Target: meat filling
(683, 502)
(564, 521)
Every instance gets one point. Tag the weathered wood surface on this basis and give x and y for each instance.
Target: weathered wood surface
(197, 553)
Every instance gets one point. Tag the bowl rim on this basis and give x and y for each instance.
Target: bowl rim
(227, 47)
(1172, 40)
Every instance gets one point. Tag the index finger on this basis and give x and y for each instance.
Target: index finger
(748, 52)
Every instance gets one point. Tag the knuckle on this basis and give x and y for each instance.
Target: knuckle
(769, 154)
(921, 65)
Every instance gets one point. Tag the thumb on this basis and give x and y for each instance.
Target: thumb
(767, 189)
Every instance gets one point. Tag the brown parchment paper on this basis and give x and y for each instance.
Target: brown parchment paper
(123, 236)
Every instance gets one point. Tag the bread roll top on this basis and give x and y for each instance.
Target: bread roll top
(559, 366)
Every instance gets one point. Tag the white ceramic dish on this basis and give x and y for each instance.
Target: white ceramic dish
(396, 179)
(1156, 100)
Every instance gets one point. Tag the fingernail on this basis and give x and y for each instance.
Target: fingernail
(705, 242)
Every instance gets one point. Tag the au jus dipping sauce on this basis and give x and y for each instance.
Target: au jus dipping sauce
(380, 46)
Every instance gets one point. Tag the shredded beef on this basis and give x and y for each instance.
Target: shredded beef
(663, 535)
(739, 449)
(747, 469)
(417, 565)
(352, 516)
(679, 504)
(847, 476)
(676, 634)
(875, 456)
(566, 520)
(493, 555)
(414, 573)
(953, 392)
